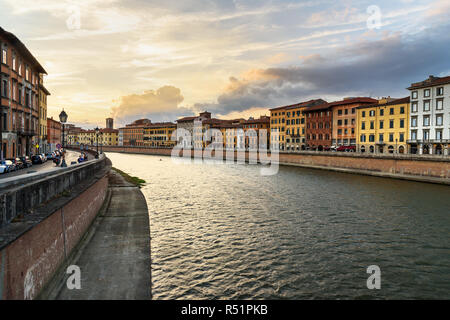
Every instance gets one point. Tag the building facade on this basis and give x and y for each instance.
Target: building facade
(19, 97)
(133, 133)
(383, 127)
(288, 125)
(43, 94)
(344, 120)
(108, 137)
(54, 134)
(319, 122)
(430, 116)
(194, 130)
(159, 135)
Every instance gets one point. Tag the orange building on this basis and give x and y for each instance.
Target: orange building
(54, 132)
(133, 134)
(344, 120)
(19, 98)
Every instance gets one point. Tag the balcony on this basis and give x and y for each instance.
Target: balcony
(439, 141)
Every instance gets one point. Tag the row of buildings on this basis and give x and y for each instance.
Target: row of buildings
(416, 124)
(24, 125)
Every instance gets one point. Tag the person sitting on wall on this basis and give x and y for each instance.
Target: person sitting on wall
(80, 158)
(85, 157)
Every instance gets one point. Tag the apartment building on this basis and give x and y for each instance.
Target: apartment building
(430, 116)
(319, 122)
(344, 120)
(383, 127)
(19, 97)
(288, 125)
(159, 135)
(54, 134)
(43, 94)
(133, 134)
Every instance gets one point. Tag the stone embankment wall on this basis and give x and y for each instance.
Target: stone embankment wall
(46, 227)
(404, 166)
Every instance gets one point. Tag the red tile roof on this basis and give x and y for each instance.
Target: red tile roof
(300, 104)
(390, 103)
(431, 81)
(353, 101)
(323, 106)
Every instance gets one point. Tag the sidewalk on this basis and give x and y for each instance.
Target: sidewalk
(114, 258)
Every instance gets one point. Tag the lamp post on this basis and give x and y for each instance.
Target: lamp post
(96, 135)
(63, 119)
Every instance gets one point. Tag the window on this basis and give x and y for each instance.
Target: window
(363, 126)
(391, 137)
(340, 112)
(5, 88)
(402, 123)
(438, 134)
(426, 93)
(414, 107)
(381, 112)
(372, 113)
(363, 114)
(439, 119)
(372, 138)
(339, 122)
(439, 104)
(381, 124)
(391, 124)
(414, 94)
(413, 134)
(14, 63)
(440, 91)
(372, 125)
(363, 138)
(381, 137)
(402, 137)
(402, 110)
(426, 134)
(391, 111)
(426, 120)
(4, 56)
(426, 105)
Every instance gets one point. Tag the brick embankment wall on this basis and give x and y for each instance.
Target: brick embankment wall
(45, 238)
(410, 167)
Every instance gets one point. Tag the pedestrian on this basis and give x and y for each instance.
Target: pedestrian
(80, 158)
(85, 157)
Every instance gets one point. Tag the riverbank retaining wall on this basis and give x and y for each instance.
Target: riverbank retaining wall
(405, 166)
(37, 242)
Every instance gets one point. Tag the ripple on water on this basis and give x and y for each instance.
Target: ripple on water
(225, 232)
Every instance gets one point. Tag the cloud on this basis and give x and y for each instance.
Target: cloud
(158, 105)
(370, 68)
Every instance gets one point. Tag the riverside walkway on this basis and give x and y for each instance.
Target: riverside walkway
(114, 257)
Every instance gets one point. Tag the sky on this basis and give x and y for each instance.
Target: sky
(164, 59)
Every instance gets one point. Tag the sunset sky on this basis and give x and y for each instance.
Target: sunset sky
(163, 59)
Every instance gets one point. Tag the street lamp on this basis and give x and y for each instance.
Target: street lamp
(63, 119)
(101, 144)
(96, 135)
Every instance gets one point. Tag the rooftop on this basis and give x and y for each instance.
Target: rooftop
(431, 81)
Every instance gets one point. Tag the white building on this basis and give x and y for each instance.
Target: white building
(120, 142)
(430, 116)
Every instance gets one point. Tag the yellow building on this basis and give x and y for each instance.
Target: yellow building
(159, 135)
(43, 94)
(108, 137)
(383, 127)
(288, 123)
(87, 137)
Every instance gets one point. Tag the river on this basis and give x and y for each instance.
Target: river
(223, 231)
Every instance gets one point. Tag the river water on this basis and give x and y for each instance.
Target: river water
(223, 231)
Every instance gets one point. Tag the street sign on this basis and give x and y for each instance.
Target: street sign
(58, 146)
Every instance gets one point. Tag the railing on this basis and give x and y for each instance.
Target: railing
(19, 195)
